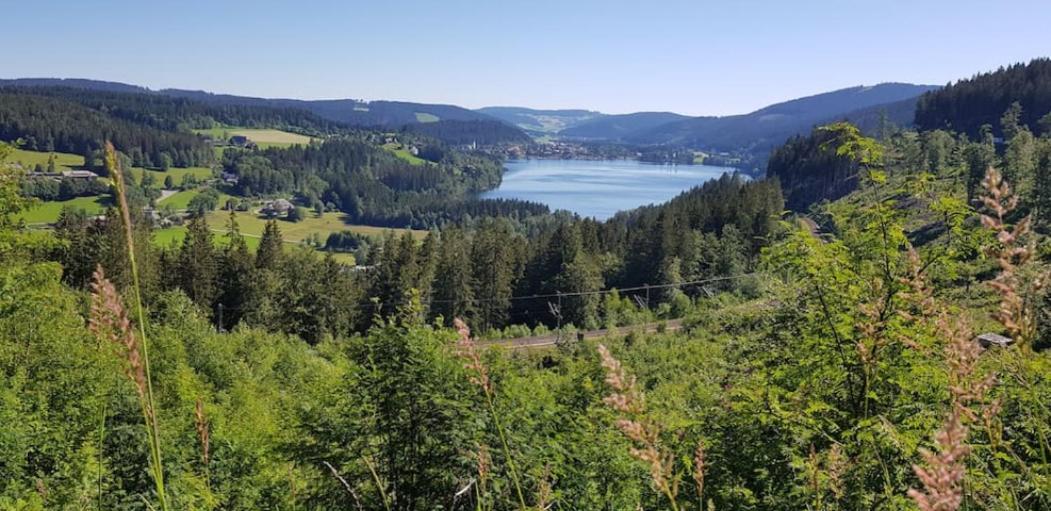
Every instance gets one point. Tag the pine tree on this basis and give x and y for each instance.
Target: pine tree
(495, 254)
(197, 264)
(386, 284)
(236, 273)
(271, 247)
(980, 155)
(453, 289)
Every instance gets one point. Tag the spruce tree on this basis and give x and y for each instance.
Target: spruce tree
(235, 277)
(270, 247)
(495, 254)
(198, 276)
(453, 289)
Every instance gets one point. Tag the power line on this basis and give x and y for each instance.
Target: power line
(372, 303)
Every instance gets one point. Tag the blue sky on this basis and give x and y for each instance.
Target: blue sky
(696, 57)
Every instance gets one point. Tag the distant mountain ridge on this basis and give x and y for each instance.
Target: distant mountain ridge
(968, 104)
(354, 112)
(755, 133)
(773, 124)
(541, 122)
(616, 127)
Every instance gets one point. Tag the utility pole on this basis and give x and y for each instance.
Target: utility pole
(556, 311)
(647, 295)
(220, 316)
(559, 313)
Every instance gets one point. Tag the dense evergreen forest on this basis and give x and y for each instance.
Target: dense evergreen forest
(482, 133)
(374, 186)
(182, 114)
(967, 105)
(810, 170)
(45, 123)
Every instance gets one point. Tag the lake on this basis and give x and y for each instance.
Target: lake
(599, 188)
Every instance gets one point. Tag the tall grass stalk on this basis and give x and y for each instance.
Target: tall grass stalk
(146, 396)
(468, 350)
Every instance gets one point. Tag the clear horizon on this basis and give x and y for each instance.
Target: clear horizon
(693, 58)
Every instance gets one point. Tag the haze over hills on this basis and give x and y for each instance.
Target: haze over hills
(772, 124)
(541, 122)
(751, 134)
(617, 127)
(353, 112)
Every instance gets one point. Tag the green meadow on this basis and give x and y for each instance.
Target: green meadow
(29, 159)
(177, 174)
(264, 138)
(400, 151)
(48, 212)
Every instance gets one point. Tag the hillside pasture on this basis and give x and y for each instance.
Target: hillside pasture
(48, 212)
(29, 159)
(295, 232)
(425, 117)
(401, 152)
(177, 174)
(264, 138)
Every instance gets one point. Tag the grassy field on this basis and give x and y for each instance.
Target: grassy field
(180, 200)
(201, 173)
(47, 212)
(404, 154)
(172, 237)
(426, 117)
(263, 137)
(29, 159)
(252, 225)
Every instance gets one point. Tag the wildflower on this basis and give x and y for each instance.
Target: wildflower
(201, 423)
(645, 434)
(468, 350)
(109, 321)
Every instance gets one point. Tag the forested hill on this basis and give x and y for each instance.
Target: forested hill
(354, 112)
(967, 105)
(460, 133)
(380, 114)
(810, 171)
(617, 127)
(76, 83)
(771, 125)
(46, 123)
(541, 122)
(167, 113)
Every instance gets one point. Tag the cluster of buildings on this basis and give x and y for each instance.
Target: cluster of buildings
(66, 174)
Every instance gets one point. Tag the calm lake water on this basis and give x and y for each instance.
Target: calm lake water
(599, 188)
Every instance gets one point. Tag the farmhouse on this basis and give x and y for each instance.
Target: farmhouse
(277, 207)
(79, 174)
(242, 141)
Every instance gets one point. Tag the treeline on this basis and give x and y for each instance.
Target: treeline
(461, 133)
(49, 189)
(810, 170)
(49, 124)
(714, 231)
(674, 155)
(374, 186)
(170, 113)
(967, 105)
